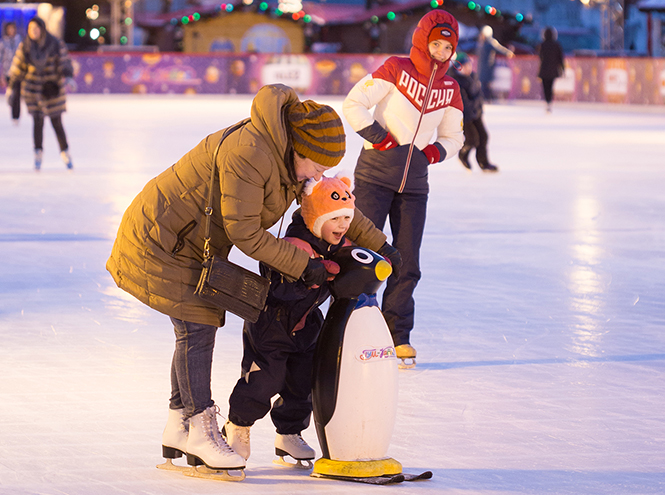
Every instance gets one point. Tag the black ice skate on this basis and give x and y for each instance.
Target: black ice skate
(488, 167)
(464, 158)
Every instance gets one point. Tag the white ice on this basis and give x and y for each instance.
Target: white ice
(540, 314)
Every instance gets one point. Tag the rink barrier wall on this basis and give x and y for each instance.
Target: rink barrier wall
(604, 80)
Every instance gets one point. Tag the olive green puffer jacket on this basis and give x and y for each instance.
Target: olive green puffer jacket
(158, 252)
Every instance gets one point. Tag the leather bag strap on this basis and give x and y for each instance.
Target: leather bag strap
(208, 209)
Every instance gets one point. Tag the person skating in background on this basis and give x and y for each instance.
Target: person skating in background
(44, 70)
(388, 185)
(279, 348)
(551, 63)
(475, 133)
(157, 255)
(486, 49)
(8, 45)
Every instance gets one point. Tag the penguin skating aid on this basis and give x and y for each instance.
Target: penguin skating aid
(354, 393)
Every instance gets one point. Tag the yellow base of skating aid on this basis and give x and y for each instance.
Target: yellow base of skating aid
(357, 469)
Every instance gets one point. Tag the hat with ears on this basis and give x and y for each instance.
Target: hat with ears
(327, 198)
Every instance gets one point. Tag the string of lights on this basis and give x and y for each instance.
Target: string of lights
(121, 21)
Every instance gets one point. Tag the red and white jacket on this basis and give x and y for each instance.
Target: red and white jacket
(396, 90)
(391, 99)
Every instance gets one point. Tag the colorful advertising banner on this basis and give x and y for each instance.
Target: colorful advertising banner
(608, 80)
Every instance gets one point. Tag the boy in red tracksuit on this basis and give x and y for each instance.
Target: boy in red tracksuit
(390, 178)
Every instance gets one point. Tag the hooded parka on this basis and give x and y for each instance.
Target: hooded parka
(390, 101)
(158, 252)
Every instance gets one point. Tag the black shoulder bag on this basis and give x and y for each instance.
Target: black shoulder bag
(225, 284)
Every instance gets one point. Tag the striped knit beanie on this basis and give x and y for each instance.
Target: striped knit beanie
(318, 133)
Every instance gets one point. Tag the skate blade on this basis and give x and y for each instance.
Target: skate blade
(205, 472)
(406, 365)
(299, 464)
(169, 466)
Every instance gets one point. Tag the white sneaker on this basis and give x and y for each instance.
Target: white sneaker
(293, 445)
(238, 438)
(38, 159)
(66, 159)
(174, 438)
(205, 444)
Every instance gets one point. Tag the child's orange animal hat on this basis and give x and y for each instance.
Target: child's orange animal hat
(327, 198)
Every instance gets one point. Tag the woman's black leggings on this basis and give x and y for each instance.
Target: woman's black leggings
(16, 101)
(38, 131)
(547, 89)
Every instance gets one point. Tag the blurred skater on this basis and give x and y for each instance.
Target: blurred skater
(391, 176)
(8, 46)
(43, 67)
(551, 63)
(486, 50)
(475, 133)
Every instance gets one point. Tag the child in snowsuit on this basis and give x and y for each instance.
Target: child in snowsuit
(388, 184)
(279, 347)
(475, 134)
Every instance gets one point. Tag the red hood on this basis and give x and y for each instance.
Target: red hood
(420, 53)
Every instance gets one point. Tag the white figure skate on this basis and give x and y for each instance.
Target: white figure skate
(295, 447)
(174, 439)
(207, 451)
(238, 438)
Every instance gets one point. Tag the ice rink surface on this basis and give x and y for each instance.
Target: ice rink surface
(540, 314)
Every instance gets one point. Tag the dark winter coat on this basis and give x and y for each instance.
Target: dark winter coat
(486, 50)
(39, 64)
(8, 47)
(291, 306)
(472, 94)
(158, 252)
(551, 57)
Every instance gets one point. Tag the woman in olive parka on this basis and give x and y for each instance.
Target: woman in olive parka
(261, 169)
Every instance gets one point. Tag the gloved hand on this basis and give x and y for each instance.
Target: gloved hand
(300, 244)
(332, 268)
(388, 143)
(315, 273)
(70, 85)
(432, 153)
(392, 256)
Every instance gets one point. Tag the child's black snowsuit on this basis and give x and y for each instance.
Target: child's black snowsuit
(279, 347)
